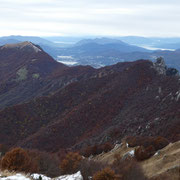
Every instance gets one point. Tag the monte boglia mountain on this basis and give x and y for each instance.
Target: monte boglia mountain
(48, 106)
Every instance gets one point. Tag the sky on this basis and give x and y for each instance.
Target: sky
(148, 18)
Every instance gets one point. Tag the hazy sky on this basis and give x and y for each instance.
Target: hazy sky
(90, 17)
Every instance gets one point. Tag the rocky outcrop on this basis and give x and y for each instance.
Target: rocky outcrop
(172, 72)
(161, 68)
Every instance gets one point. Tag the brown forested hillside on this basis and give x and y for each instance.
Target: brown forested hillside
(78, 106)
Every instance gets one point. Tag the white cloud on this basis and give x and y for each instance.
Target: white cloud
(112, 11)
(90, 17)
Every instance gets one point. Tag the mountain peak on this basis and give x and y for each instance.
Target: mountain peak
(26, 45)
(101, 41)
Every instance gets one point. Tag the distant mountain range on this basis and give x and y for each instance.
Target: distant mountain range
(151, 42)
(156, 42)
(100, 45)
(33, 39)
(103, 41)
(49, 106)
(100, 52)
(49, 46)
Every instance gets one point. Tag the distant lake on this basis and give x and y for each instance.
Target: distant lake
(68, 60)
(154, 48)
(63, 42)
(70, 63)
(65, 57)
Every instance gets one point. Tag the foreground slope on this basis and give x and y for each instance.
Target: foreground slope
(19, 176)
(163, 165)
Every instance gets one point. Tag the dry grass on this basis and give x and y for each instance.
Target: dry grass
(165, 163)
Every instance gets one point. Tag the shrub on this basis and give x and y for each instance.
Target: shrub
(148, 145)
(128, 169)
(48, 163)
(150, 150)
(86, 152)
(96, 149)
(71, 163)
(107, 147)
(18, 160)
(89, 167)
(141, 153)
(134, 141)
(90, 150)
(61, 154)
(105, 174)
(160, 143)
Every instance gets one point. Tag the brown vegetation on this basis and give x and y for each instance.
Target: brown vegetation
(89, 167)
(48, 164)
(18, 160)
(96, 149)
(160, 142)
(71, 163)
(105, 174)
(141, 153)
(147, 145)
(128, 169)
(95, 103)
(31, 161)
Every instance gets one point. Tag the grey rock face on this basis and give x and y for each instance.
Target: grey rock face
(160, 66)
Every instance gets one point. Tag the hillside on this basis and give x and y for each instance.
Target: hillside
(85, 105)
(107, 107)
(26, 72)
(163, 165)
(24, 68)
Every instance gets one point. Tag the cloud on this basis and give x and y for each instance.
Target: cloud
(90, 17)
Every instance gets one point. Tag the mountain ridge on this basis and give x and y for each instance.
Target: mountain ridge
(23, 45)
(80, 106)
(84, 105)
